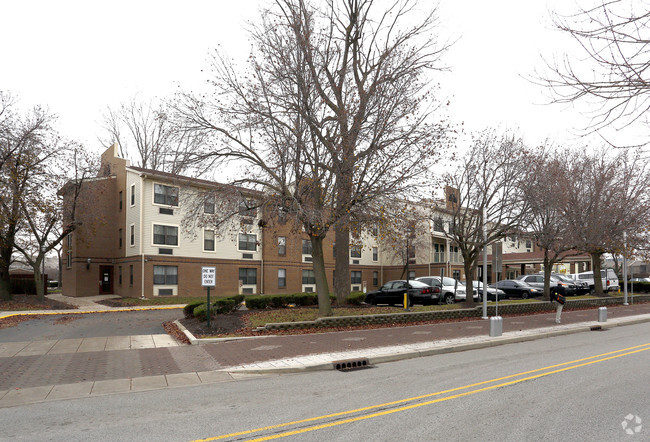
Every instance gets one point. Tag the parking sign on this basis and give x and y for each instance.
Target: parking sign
(208, 276)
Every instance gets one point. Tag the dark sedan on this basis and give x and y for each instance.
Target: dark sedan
(518, 289)
(392, 293)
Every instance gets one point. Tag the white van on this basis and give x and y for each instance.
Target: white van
(610, 282)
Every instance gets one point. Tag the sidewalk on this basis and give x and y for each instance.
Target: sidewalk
(65, 374)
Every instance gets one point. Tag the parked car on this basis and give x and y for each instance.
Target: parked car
(609, 278)
(452, 289)
(582, 288)
(492, 292)
(640, 280)
(518, 289)
(392, 293)
(556, 284)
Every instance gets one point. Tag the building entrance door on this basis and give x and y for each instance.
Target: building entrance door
(105, 280)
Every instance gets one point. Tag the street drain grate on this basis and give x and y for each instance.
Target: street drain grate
(351, 364)
(596, 328)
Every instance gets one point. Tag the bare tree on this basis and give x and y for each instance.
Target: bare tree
(608, 195)
(146, 133)
(614, 36)
(547, 199)
(26, 143)
(333, 115)
(484, 193)
(47, 216)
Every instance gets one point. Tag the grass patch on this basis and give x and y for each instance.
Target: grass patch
(262, 317)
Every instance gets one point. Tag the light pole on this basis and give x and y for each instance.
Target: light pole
(485, 316)
(624, 268)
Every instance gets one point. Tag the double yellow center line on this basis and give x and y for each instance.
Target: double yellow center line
(527, 375)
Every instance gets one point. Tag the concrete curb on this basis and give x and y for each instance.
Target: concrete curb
(77, 312)
(452, 348)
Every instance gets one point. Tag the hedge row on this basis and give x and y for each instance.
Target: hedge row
(296, 299)
(639, 287)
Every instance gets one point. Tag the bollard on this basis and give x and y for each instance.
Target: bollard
(602, 314)
(496, 326)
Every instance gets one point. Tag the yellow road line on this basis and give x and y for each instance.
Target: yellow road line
(401, 401)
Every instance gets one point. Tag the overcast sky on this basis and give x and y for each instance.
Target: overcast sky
(78, 57)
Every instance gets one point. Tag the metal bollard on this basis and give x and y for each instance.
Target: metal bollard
(496, 326)
(602, 314)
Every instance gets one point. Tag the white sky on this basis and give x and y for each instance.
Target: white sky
(77, 57)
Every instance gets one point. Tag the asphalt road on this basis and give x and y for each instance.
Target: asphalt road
(574, 387)
(88, 325)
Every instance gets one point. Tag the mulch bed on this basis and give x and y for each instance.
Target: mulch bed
(30, 302)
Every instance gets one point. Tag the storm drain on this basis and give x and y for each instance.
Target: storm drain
(351, 364)
(597, 328)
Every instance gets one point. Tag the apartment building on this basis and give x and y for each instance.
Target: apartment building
(135, 241)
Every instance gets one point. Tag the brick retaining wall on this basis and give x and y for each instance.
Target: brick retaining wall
(406, 317)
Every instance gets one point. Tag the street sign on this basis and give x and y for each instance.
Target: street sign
(208, 276)
(497, 257)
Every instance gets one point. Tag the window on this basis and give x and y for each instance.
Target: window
(282, 278)
(132, 235)
(355, 277)
(306, 247)
(208, 240)
(529, 244)
(438, 225)
(411, 275)
(247, 241)
(131, 274)
(248, 276)
(375, 279)
(208, 205)
(119, 275)
(69, 251)
(375, 254)
(120, 238)
(438, 253)
(375, 231)
(165, 235)
(355, 252)
(132, 195)
(120, 200)
(166, 195)
(247, 208)
(411, 251)
(165, 275)
(282, 245)
(308, 277)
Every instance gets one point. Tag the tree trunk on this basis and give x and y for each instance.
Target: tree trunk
(598, 281)
(38, 280)
(322, 289)
(469, 279)
(5, 286)
(342, 260)
(547, 276)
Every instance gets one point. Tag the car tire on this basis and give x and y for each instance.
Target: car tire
(449, 298)
(525, 295)
(371, 300)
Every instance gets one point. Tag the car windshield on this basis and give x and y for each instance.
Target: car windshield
(450, 281)
(417, 284)
(564, 278)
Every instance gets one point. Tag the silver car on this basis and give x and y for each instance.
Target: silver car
(452, 289)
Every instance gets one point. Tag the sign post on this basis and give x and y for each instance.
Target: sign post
(208, 276)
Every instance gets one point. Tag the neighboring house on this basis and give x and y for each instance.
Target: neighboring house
(133, 242)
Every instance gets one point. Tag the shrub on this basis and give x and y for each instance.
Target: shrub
(640, 287)
(201, 312)
(188, 310)
(355, 298)
(257, 302)
(224, 305)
